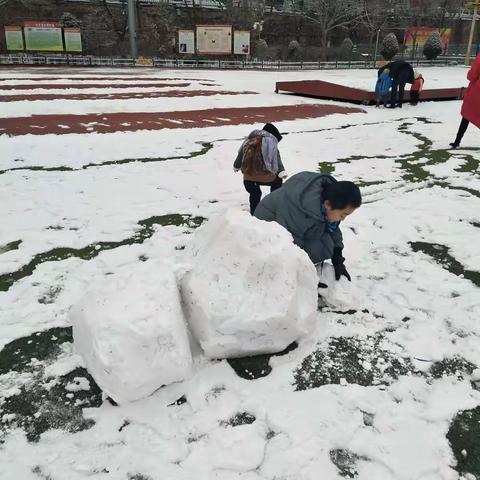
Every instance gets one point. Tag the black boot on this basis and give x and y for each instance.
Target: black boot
(455, 144)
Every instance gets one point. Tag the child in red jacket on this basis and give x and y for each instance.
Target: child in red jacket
(417, 87)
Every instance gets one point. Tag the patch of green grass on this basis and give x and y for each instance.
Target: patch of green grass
(10, 246)
(362, 183)
(471, 164)
(146, 230)
(327, 168)
(256, 366)
(346, 462)
(455, 366)
(440, 253)
(464, 435)
(17, 355)
(412, 164)
(353, 360)
(243, 418)
(206, 146)
(41, 406)
(471, 191)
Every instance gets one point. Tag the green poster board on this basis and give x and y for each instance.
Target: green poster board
(43, 36)
(73, 39)
(14, 38)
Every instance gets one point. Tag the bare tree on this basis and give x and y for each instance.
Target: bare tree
(377, 15)
(116, 23)
(449, 12)
(329, 14)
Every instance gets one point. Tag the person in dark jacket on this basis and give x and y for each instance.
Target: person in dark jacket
(402, 73)
(267, 170)
(311, 206)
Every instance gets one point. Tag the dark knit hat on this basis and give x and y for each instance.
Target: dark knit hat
(270, 128)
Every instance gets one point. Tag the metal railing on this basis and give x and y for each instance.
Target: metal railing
(74, 60)
(199, 4)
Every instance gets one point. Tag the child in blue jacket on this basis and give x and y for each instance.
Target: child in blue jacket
(382, 88)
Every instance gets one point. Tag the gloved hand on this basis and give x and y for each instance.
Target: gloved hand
(283, 174)
(339, 265)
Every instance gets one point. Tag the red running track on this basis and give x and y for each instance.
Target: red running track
(130, 122)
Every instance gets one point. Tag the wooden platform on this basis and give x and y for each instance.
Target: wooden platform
(333, 91)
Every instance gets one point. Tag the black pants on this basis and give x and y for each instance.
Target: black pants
(414, 96)
(400, 89)
(398, 85)
(382, 99)
(253, 188)
(461, 130)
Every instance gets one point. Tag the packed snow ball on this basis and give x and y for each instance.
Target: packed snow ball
(248, 290)
(333, 292)
(131, 332)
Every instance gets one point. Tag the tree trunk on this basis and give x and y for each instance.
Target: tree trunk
(371, 41)
(323, 44)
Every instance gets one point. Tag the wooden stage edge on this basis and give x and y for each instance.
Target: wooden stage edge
(333, 91)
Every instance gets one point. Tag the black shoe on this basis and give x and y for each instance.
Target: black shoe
(454, 145)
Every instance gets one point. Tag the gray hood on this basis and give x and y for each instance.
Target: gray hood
(305, 191)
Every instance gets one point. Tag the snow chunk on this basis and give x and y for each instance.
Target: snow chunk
(337, 293)
(63, 365)
(239, 449)
(249, 289)
(78, 384)
(131, 332)
(476, 375)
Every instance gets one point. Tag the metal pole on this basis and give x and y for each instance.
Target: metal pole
(132, 29)
(376, 50)
(470, 40)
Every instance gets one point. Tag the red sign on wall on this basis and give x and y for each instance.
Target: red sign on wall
(34, 24)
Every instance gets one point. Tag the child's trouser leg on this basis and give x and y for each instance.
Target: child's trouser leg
(255, 194)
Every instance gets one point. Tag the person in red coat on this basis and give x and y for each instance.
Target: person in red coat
(471, 102)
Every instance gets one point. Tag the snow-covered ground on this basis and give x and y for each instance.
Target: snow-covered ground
(375, 392)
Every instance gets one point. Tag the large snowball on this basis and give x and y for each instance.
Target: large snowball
(249, 290)
(131, 332)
